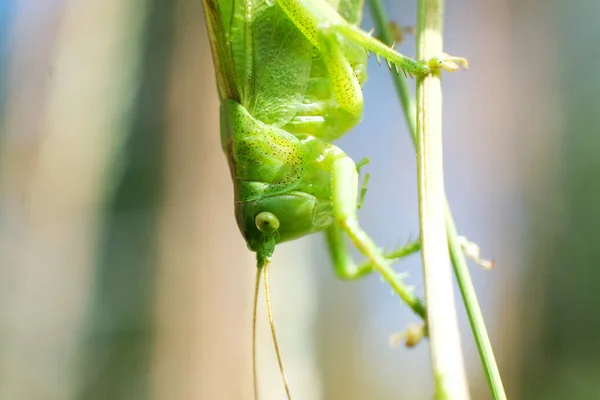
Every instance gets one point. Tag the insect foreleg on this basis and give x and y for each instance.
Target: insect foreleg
(363, 189)
(344, 266)
(344, 181)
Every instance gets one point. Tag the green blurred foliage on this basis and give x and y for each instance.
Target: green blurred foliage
(120, 338)
(563, 362)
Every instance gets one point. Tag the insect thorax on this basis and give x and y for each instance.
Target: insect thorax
(279, 173)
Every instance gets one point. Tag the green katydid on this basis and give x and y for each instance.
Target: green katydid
(289, 75)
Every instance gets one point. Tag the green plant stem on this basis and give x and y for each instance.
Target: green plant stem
(484, 347)
(442, 321)
(456, 254)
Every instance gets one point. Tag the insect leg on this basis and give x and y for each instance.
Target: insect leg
(401, 62)
(318, 19)
(344, 266)
(363, 188)
(344, 180)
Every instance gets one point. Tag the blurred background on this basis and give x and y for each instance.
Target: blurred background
(123, 274)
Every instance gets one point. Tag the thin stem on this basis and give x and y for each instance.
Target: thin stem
(444, 336)
(458, 259)
(461, 269)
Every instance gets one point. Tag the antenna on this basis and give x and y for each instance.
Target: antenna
(256, 289)
(272, 323)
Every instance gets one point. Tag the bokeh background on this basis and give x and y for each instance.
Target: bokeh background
(123, 275)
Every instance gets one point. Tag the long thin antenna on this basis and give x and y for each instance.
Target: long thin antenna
(254, 369)
(279, 360)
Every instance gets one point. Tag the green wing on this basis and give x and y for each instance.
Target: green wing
(261, 59)
(283, 58)
(214, 15)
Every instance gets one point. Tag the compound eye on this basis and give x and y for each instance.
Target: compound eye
(266, 222)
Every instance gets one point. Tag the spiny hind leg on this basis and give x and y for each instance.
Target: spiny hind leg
(398, 60)
(344, 181)
(332, 31)
(320, 23)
